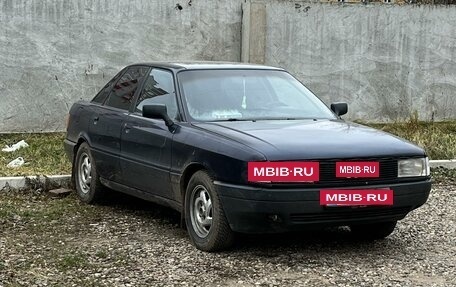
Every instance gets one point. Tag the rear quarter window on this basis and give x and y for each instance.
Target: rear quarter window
(104, 93)
(123, 91)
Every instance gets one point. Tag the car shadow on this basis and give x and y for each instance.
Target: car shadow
(325, 240)
(132, 205)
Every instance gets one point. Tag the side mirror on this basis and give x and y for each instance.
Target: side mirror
(157, 111)
(339, 108)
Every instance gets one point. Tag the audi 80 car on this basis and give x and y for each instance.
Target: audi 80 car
(240, 148)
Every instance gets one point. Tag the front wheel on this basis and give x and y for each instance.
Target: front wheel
(205, 218)
(373, 231)
(88, 186)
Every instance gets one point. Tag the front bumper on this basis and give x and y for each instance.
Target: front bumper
(266, 210)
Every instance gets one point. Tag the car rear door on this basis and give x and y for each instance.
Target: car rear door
(107, 119)
(146, 143)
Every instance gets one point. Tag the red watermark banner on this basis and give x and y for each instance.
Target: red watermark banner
(288, 171)
(356, 197)
(357, 169)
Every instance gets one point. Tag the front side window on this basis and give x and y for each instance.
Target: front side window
(158, 89)
(220, 95)
(124, 90)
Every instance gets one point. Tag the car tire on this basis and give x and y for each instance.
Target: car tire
(206, 223)
(87, 182)
(373, 231)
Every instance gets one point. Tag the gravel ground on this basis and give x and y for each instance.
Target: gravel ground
(47, 241)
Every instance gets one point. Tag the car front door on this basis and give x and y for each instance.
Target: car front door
(107, 118)
(146, 143)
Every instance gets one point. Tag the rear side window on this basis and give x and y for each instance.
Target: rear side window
(124, 90)
(104, 93)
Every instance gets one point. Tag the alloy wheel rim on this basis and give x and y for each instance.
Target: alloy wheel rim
(201, 211)
(85, 173)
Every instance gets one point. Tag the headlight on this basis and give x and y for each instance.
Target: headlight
(413, 167)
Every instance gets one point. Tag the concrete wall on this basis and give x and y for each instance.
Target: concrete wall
(54, 52)
(386, 61)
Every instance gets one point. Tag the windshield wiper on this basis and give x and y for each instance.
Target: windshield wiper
(261, 119)
(276, 119)
(235, 120)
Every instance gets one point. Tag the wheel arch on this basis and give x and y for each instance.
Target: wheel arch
(216, 240)
(189, 171)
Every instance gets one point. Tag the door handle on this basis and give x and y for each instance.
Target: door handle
(95, 120)
(127, 128)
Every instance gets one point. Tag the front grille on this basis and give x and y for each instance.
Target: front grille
(348, 213)
(388, 175)
(388, 171)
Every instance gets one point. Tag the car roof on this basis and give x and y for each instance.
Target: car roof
(206, 65)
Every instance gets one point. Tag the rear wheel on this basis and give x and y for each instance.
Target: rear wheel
(88, 186)
(373, 231)
(205, 219)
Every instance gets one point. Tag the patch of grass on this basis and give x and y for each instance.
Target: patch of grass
(443, 175)
(437, 138)
(74, 260)
(48, 241)
(103, 254)
(44, 156)
(16, 207)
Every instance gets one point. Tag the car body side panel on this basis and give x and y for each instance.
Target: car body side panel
(104, 133)
(223, 158)
(77, 128)
(79, 123)
(146, 155)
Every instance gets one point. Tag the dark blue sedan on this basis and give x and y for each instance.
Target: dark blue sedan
(239, 148)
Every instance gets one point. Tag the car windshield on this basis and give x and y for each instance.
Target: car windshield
(231, 95)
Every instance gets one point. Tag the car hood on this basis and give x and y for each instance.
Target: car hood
(312, 139)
